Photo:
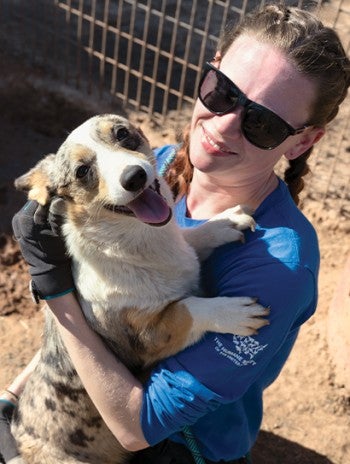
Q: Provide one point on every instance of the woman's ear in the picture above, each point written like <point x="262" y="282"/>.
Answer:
<point x="307" y="139"/>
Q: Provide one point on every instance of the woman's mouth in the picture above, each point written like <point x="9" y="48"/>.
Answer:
<point x="212" y="146"/>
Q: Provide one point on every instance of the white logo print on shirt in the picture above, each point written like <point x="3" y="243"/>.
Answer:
<point x="245" y="350"/>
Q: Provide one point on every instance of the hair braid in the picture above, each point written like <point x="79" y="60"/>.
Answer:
<point x="179" y="173"/>
<point x="293" y="175"/>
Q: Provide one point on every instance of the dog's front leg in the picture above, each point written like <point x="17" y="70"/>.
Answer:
<point x="223" y="228"/>
<point x="184" y="322"/>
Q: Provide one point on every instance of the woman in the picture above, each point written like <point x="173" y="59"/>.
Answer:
<point x="272" y="87"/>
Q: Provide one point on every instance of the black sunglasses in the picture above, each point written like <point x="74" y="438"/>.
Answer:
<point x="260" y="126"/>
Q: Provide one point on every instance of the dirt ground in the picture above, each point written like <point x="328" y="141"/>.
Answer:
<point x="307" y="413"/>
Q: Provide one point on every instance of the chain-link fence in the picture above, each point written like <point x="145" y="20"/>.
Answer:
<point x="148" y="55"/>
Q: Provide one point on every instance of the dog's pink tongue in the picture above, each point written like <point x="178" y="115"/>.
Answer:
<point x="150" y="207"/>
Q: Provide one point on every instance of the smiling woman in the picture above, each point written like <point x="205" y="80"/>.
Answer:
<point x="241" y="145"/>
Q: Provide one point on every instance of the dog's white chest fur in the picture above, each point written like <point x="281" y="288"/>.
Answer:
<point x="146" y="268"/>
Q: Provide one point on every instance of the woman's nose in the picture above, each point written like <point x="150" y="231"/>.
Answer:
<point x="229" y="124"/>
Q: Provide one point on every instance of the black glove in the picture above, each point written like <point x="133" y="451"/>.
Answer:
<point x="8" y="446"/>
<point x="37" y="230"/>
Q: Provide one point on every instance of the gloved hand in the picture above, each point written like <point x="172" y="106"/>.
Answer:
<point x="8" y="447"/>
<point x="37" y="230"/>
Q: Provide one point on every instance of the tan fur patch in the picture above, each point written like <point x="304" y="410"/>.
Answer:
<point x="80" y="153"/>
<point x="160" y="335"/>
<point x="104" y="128"/>
<point x="39" y="188"/>
<point x="103" y="188"/>
<point x="77" y="214"/>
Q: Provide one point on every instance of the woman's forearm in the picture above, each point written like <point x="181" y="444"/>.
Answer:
<point x="116" y="393"/>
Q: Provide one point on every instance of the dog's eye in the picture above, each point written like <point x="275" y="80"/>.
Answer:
<point x="82" y="171"/>
<point x="120" y="133"/>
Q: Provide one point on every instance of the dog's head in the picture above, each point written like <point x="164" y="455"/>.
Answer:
<point x="105" y="167"/>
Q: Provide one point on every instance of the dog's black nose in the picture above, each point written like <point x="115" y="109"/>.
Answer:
<point x="133" y="178"/>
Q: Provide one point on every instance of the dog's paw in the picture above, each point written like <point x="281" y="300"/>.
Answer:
<point x="225" y="227"/>
<point x="241" y="316"/>
<point x="254" y="316"/>
<point x="240" y="217"/>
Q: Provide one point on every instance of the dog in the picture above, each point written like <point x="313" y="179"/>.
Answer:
<point x="137" y="278"/>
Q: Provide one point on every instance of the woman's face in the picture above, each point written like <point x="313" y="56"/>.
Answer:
<point x="265" y="76"/>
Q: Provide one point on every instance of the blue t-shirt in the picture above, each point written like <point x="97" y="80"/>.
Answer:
<point x="216" y="385"/>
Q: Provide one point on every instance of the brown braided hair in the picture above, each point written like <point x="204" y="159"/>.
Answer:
<point x="179" y="173"/>
<point x="316" y="52"/>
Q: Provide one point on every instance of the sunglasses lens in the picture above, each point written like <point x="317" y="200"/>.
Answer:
<point x="216" y="93"/>
<point x="263" y="128"/>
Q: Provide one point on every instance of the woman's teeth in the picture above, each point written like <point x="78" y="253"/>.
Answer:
<point x="215" y="145"/>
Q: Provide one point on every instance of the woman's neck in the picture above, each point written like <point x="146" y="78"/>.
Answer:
<point x="207" y="198"/>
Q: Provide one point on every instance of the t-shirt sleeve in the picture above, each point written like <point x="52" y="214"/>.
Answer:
<point x="221" y="367"/>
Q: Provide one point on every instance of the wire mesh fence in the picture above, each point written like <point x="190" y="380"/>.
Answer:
<point x="148" y="55"/>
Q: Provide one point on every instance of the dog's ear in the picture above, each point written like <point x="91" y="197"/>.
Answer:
<point x="37" y="182"/>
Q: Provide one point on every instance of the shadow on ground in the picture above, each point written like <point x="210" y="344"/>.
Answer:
<point x="284" y="452"/>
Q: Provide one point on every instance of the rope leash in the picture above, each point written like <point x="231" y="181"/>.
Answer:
<point x="193" y="445"/>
